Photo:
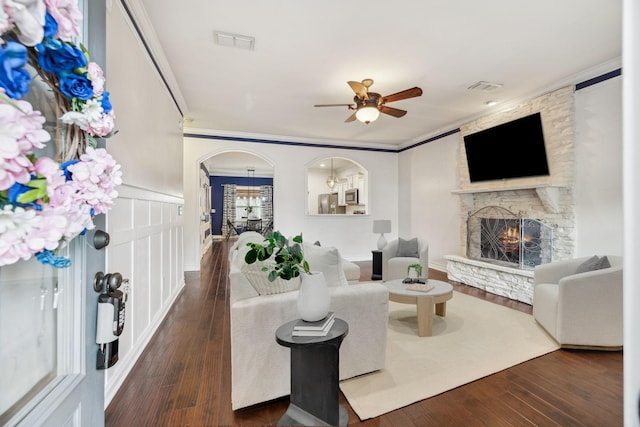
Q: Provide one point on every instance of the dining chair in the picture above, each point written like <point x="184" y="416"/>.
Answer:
<point x="254" y="224"/>
<point x="231" y="228"/>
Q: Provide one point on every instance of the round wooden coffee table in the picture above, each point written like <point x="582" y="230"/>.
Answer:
<point x="427" y="303"/>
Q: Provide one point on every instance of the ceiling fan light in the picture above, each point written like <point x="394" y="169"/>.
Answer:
<point x="367" y="114"/>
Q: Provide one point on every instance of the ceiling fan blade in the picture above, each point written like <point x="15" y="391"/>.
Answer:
<point x="359" y="89"/>
<point x="395" y="112"/>
<point x="335" y="105"/>
<point x="351" y="118"/>
<point x="409" y="93"/>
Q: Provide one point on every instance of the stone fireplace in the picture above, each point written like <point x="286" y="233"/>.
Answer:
<point x="539" y="209"/>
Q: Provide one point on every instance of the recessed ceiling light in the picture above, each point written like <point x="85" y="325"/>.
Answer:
<point x="234" y="40"/>
<point x="490" y="103"/>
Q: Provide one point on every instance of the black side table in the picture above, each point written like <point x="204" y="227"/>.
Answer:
<point x="376" y="271"/>
<point x="314" y="377"/>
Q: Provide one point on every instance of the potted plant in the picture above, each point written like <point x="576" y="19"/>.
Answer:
<point x="417" y="268"/>
<point x="289" y="262"/>
<point x="289" y="259"/>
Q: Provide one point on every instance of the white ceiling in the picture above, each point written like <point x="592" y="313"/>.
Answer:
<point x="306" y="51"/>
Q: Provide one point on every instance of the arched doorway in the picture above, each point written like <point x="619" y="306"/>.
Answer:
<point x="248" y="181"/>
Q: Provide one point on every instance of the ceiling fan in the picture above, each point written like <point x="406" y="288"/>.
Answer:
<point x="368" y="105"/>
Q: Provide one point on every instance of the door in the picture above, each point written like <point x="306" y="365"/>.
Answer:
<point x="76" y="396"/>
<point x="60" y="308"/>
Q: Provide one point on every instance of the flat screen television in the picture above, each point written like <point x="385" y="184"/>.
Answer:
<point x="511" y="150"/>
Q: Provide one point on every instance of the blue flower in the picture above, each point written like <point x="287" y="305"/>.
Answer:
<point x="17" y="190"/>
<point x="47" y="257"/>
<point x="106" y="103"/>
<point x="75" y="86"/>
<point x="50" y="26"/>
<point x="13" y="78"/>
<point x="65" y="168"/>
<point x="56" y="57"/>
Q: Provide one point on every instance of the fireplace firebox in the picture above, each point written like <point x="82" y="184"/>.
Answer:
<point x="497" y="235"/>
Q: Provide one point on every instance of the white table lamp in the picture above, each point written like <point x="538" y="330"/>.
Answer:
<point x="382" y="226"/>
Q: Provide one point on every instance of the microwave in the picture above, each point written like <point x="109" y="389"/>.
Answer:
<point x="351" y="196"/>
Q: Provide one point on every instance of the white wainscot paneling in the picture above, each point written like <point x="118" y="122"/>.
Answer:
<point x="140" y="288"/>
<point x="146" y="247"/>
<point x="155" y="276"/>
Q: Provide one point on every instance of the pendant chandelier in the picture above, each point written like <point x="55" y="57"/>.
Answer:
<point x="332" y="180"/>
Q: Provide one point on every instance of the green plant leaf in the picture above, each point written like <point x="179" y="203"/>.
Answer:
<point x="298" y="238"/>
<point x="251" y="256"/>
<point x="273" y="275"/>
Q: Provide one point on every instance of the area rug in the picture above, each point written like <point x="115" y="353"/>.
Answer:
<point x="475" y="339"/>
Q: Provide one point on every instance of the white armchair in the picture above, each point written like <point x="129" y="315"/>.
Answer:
<point x="581" y="310"/>
<point x="394" y="264"/>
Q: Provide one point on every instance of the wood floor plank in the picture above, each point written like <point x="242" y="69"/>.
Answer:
<point x="184" y="376"/>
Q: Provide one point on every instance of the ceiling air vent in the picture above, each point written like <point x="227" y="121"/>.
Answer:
<point x="485" y="86"/>
<point x="234" y="40"/>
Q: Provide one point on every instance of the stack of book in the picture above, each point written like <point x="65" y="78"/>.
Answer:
<point x="314" y="329"/>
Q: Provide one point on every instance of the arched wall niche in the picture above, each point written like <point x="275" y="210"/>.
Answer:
<point x="349" y="193"/>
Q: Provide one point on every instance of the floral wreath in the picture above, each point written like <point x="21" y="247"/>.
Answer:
<point x="45" y="202"/>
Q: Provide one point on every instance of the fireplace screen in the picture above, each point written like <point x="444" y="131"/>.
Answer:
<point x="497" y="235"/>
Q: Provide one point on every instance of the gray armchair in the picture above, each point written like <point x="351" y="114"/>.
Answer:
<point x="394" y="264"/>
<point x="580" y="310"/>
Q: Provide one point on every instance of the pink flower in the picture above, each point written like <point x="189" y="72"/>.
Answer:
<point x="21" y="129"/>
<point x="102" y="126"/>
<point x="14" y="170"/>
<point x="95" y="176"/>
<point x="97" y="78"/>
<point x="16" y="224"/>
<point x="67" y="15"/>
<point x="6" y="23"/>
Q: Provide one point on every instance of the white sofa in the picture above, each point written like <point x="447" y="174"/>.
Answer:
<point x="260" y="368"/>
<point x="580" y="309"/>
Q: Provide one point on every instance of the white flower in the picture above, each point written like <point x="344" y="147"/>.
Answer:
<point x="92" y="110"/>
<point x="28" y="15"/>
<point x="75" y="118"/>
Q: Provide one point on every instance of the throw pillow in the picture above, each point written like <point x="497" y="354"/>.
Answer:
<point x="408" y="248"/>
<point x="593" y="263"/>
<point x="603" y="262"/>
<point x="328" y="261"/>
<point x="260" y="279"/>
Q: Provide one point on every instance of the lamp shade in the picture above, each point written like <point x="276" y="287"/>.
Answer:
<point x="381" y="226"/>
<point x="367" y="114"/>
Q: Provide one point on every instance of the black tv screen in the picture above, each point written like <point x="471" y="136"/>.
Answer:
<point x="510" y="150"/>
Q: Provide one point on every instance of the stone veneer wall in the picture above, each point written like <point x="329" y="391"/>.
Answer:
<point x="548" y="199"/>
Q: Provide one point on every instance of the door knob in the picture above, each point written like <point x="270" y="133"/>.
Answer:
<point x="98" y="239"/>
<point x="109" y="282"/>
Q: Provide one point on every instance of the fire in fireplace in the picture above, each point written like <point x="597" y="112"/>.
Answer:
<point x="495" y="234"/>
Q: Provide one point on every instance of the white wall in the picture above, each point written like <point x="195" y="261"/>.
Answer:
<point x="631" y="107"/>
<point x="598" y="153"/>
<point x="427" y="208"/>
<point x="145" y="225"/>
<point x="352" y="234"/>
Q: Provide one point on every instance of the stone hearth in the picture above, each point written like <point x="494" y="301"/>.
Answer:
<point x="500" y="280"/>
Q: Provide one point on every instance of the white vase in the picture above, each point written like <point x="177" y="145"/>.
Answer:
<point x="313" y="298"/>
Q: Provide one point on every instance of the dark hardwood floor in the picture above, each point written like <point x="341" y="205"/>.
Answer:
<point x="183" y="378"/>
